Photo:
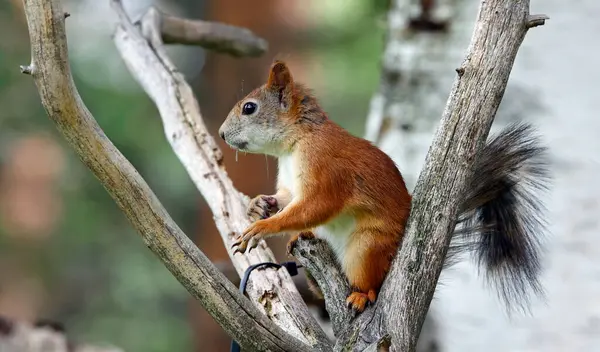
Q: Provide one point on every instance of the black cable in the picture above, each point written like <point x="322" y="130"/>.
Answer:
<point x="292" y="268"/>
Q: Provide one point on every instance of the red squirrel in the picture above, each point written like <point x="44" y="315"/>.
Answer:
<point x="342" y="188"/>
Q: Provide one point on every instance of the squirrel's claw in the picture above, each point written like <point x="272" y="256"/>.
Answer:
<point x="240" y="245"/>
<point x="252" y="243"/>
<point x="290" y="247"/>
<point x="358" y="301"/>
<point x="251" y="236"/>
<point x="246" y="241"/>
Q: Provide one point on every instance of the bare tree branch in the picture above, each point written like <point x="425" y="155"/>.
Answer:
<point x="421" y="39"/>
<point x="219" y="37"/>
<point x="318" y="258"/>
<point x="272" y="290"/>
<point x="52" y="75"/>
<point x="499" y="31"/>
<point x="379" y="346"/>
<point x="300" y="282"/>
<point x="223" y="38"/>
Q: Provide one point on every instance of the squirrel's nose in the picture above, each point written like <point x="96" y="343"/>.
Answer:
<point x="221" y="134"/>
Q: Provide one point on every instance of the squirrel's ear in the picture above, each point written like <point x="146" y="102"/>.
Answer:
<point x="280" y="80"/>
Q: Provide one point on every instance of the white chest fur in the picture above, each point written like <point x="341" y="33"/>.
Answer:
<point x="337" y="233"/>
<point x="288" y="173"/>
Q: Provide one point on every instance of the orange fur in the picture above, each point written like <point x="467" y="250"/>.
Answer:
<point x="335" y="175"/>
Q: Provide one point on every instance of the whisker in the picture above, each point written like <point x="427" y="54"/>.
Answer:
<point x="267" y="164"/>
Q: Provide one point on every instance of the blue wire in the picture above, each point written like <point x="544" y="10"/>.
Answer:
<point x="292" y="268"/>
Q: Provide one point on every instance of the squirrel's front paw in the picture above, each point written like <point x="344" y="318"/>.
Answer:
<point x="254" y="233"/>
<point x="262" y="207"/>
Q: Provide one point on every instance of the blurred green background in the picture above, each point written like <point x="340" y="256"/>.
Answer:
<point x="66" y="251"/>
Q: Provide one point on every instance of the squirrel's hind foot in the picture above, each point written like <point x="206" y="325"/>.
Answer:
<point x="359" y="300"/>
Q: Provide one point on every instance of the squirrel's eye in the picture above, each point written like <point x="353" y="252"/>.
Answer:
<point x="248" y="109"/>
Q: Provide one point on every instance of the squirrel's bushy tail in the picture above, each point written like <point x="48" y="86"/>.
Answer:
<point x="501" y="218"/>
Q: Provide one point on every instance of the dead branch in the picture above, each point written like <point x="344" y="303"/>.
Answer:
<point x="52" y="75"/>
<point x="318" y="258"/>
<point x="219" y="37"/>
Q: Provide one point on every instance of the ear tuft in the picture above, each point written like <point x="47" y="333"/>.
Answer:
<point x="280" y="78"/>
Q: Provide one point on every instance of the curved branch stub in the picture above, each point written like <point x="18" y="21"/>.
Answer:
<point x="27" y="69"/>
<point x="536" y="20"/>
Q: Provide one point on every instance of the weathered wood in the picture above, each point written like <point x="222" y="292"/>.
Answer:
<point x="536" y="20"/>
<point x="271" y="290"/>
<point x="219" y="37"/>
<point x="318" y="258"/>
<point x="52" y="75"/>
<point x="476" y="94"/>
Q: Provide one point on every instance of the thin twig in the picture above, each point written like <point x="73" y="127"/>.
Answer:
<point x="214" y="36"/>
